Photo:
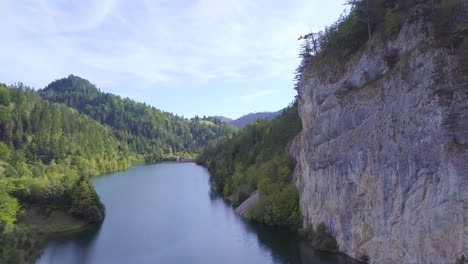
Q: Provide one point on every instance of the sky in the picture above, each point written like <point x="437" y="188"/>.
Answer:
<point x="189" y="57"/>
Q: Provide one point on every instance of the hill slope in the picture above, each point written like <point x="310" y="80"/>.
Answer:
<point x="148" y="131"/>
<point x="243" y="121"/>
<point x="256" y="158"/>
<point x="247" y="119"/>
<point x="223" y="119"/>
<point x="47" y="153"/>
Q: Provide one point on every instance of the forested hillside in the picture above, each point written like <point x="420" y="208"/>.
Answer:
<point x="256" y="159"/>
<point x="148" y="131"/>
<point x="245" y="120"/>
<point x="47" y="153"/>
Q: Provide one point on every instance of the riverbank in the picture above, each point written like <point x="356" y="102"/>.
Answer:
<point x="41" y="224"/>
<point x="317" y="238"/>
<point x="168" y="231"/>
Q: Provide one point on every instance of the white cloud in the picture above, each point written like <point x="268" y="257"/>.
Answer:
<point x="118" y="43"/>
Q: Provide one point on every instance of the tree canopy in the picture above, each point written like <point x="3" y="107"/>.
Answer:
<point x="53" y="141"/>
<point x="148" y="131"/>
<point x="256" y="159"/>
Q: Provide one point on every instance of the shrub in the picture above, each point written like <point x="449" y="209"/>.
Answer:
<point x="277" y="208"/>
<point x="86" y="204"/>
<point x="392" y="22"/>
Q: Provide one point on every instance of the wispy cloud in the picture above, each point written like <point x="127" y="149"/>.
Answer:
<point x="156" y="40"/>
<point x="157" y="43"/>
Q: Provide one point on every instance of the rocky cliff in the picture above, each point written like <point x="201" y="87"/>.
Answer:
<point x="383" y="155"/>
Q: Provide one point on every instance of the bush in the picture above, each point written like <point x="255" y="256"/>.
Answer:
<point x="8" y="250"/>
<point x="86" y="204"/>
<point x="277" y="208"/>
<point x="255" y="158"/>
<point x="393" y="22"/>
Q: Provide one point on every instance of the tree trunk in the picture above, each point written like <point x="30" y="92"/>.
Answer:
<point x="368" y="20"/>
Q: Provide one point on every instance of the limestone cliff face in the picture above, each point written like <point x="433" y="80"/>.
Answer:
<point x="383" y="155"/>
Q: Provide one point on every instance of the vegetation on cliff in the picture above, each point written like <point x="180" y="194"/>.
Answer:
<point x="369" y="54"/>
<point x="256" y="158"/>
<point x="325" y="51"/>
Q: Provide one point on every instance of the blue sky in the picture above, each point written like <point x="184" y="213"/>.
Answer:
<point x="189" y="57"/>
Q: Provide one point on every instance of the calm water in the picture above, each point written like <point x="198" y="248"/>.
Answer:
<point x="166" y="213"/>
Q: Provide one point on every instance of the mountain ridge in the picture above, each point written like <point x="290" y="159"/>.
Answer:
<point x="150" y="131"/>
<point x="249" y="118"/>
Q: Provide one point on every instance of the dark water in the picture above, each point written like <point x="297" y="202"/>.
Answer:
<point x="166" y="213"/>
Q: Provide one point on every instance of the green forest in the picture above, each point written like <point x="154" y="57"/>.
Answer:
<point x="50" y="150"/>
<point x="151" y="134"/>
<point x="256" y="159"/>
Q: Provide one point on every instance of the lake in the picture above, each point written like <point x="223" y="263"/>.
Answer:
<point x="166" y="213"/>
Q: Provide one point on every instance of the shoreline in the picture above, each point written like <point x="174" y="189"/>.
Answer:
<point x="44" y="224"/>
<point x="242" y="208"/>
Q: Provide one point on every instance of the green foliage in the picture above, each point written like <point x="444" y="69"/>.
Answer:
<point x="4" y="152"/>
<point x="278" y="206"/>
<point x="12" y="241"/>
<point x="328" y="49"/>
<point x="324" y="52"/>
<point x="321" y="239"/>
<point x="150" y="133"/>
<point x="86" y="204"/>
<point x="48" y="151"/>
<point x="9" y="208"/>
<point x="4" y="96"/>
<point x="254" y="159"/>
<point x="392" y="22"/>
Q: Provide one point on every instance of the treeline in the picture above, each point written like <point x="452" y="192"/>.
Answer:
<point x="256" y="159"/>
<point x="149" y="132"/>
<point x="325" y="51"/>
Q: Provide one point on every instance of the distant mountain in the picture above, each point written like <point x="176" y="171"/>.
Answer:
<point x="223" y="119"/>
<point x="243" y="121"/>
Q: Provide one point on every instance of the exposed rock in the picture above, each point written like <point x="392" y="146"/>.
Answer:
<point x="243" y="208"/>
<point x="383" y="155"/>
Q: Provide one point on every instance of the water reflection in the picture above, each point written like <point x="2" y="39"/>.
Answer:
<point x="285" y="245"/>
<point x="166" y="213"/>
<point x="79" y="244"/>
